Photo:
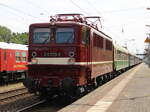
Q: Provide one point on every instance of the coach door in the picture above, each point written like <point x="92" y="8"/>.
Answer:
<point x="4" y="60"/>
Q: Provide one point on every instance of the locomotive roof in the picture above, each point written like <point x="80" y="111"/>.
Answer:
<point x="70" y="23"/>
<point x="4" y="45"/>
<point x="56" y="23"/>
<point x="74" y="19"/>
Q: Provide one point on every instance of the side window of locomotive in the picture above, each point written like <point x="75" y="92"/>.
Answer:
<point x="24" y="55"/>
<point x="85" y="35"/>
<point x="108" y="45"/>
<point x="41" y="36"/>
<point x="64" y="35"/>
<point x="98" y="41"/>
<point x="18" y="57"/>
<point x="94" y="40"/>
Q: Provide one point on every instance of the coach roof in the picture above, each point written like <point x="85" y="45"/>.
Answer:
<point x="4" y="45"/>
<point x="120" y="48"/>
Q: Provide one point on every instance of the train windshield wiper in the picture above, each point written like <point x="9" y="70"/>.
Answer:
<point x="46" y="40"/>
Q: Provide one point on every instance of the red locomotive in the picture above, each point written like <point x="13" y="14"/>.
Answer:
<point x="69" y="55"/>
<point x="13" y="62"/>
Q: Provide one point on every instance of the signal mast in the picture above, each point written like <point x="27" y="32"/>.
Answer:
<point x="147" y="57"/>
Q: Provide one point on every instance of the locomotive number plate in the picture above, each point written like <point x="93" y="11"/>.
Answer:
<point x="51" y="54"/>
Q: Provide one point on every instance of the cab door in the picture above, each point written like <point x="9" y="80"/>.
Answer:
<point x="88" y="47"/>
<point x="86" y="44"/>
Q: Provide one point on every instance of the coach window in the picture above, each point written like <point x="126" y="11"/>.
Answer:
<point x="41" y="36"/>
<point x="18" y="57"/>
<point x="24" y="55"/>
<point x="64" y="35"/>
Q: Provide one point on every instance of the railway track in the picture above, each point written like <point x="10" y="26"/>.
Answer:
<point x="18" y="101"/>
<point x="52" y="105"/>
<point x="31" y="106"/>
<point x="13" y="95"/>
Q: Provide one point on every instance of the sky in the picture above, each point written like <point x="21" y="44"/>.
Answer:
<point x="123" y="20"/>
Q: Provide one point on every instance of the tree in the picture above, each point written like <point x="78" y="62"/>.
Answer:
<point x="20" y="38"/>
<point x="5" y="34"/>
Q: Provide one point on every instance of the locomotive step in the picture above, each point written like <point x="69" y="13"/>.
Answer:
<point x="127" y="93"/>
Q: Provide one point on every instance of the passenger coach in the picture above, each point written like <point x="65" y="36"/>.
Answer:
<point x="13" y="62"/>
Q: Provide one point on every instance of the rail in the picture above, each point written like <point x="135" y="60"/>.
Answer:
<point x="12" y="95"/>
<point x="31" y="106"/>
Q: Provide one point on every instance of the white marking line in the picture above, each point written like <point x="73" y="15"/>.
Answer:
<point x="103" y="104"/>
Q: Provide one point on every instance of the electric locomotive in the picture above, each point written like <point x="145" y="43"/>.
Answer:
<point x="68" y="55"/>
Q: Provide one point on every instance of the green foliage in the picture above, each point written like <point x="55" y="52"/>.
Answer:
<point x="7" y="36"/>
<point x="19" y="38"/>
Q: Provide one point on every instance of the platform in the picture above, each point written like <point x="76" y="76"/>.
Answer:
<point x="130" y="92"/>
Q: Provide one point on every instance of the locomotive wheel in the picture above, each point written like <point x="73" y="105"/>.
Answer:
<point x="104" y="79"/>
<point x="43" y="93"/>
<point x="99" y="81"/>
<point x="111" y="76"/>
<point x="82" y="90"/>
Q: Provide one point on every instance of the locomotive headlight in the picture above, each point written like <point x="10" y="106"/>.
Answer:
<point x="71" y="61"/>
<point x="71" y="54"/>
<point x="34" y="61"/>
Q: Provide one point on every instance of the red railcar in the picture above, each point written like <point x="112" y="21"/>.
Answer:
<point x="13" y="61"/>
<point x="67" y="54"/>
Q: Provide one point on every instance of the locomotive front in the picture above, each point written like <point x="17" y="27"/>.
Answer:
<point x="55" y="58"/>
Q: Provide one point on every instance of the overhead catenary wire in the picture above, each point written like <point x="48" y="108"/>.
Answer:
<point x="14" y="13"/>
<point x="88" y="13"/>
<point x="124" y="10"/>
<point x="20" y="19"/>
<point x="19" y="11"/>
<point x="79" y="7"/>
<point x="91" y="4"/>
<point x="36" y="6"/>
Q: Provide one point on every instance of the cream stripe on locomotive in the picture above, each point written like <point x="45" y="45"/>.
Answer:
<point x="63" y="61"/>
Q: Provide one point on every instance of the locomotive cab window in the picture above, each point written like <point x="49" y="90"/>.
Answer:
<point x="64" y="35"/>
<point x="24" y="55"/>
<point x="41" y="36"/>
<point x="18" y="57"/>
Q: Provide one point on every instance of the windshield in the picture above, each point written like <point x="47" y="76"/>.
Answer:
<point x="41" y="36"/>
<point x="64" y="35"/>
